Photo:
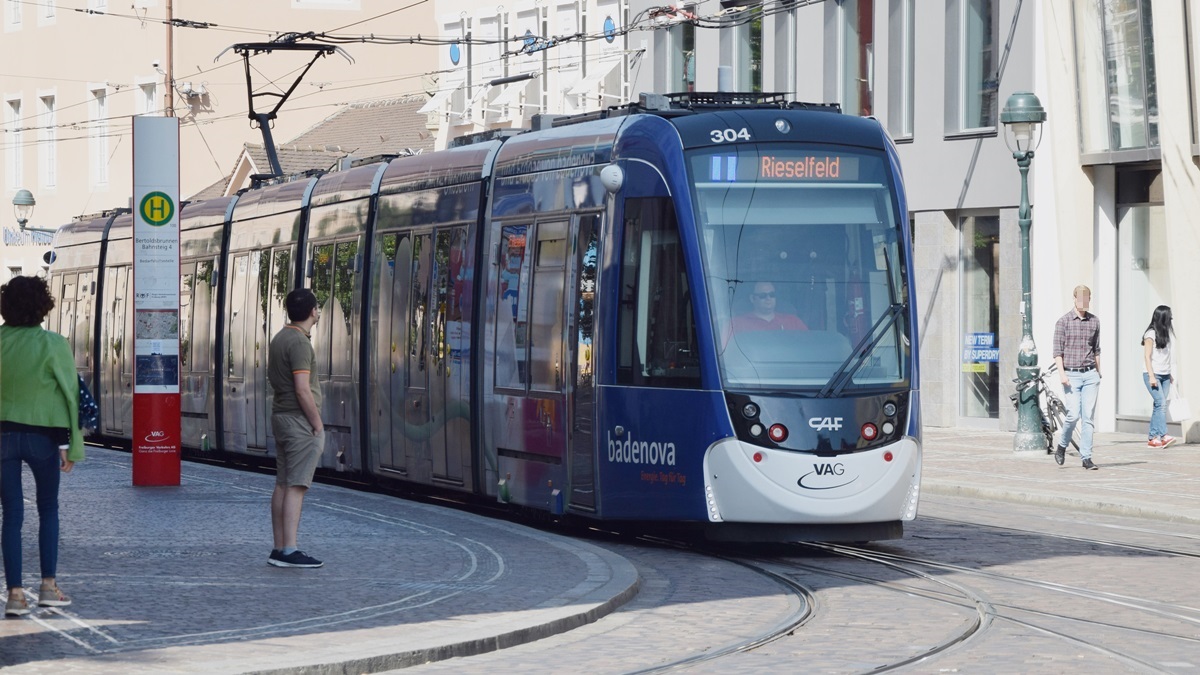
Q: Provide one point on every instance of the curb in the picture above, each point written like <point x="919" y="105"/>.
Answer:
<point x="1056" y="501"/>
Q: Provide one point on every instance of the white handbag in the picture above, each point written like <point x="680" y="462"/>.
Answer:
<point x="1178" y="408"/>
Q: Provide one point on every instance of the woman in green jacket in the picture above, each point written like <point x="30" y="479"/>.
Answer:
<point x="39" y="425"/>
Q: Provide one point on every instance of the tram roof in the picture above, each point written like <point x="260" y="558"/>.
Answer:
<point x="207" y="213"/>
<point x="340" y="186"/>
<point x="464" y="164"/>
<point x="278" y="198"/>
<point x="87" y="230"/>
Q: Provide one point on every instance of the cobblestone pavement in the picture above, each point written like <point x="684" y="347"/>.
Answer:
<point x="175" y="579"/>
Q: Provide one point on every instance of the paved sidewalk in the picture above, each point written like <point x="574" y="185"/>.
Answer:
<point x="1133" y="480"/>
<point x="176" y="580"/>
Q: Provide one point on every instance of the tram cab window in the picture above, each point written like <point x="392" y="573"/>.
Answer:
<point x="816" y="229"/>
<point x="656" y="332"/>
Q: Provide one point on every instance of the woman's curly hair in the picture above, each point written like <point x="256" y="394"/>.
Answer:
<point x="25" y="301"/>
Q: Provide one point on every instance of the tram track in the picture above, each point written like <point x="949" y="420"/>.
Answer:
<point x="786" y="626"/>
<point x="1008" y="612"/>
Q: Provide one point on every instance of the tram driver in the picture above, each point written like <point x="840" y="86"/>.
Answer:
<point x="762" y="315"/>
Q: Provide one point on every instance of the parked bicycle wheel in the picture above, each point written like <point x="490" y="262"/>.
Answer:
<point x="1056" y="411"/>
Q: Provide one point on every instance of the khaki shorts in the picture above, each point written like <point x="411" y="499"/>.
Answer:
<point x="297" y="450"/>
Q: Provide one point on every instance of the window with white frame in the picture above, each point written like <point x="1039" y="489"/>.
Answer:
<point x="858" y="56"/>
<point x="682" y="52"/>
<point x="747" y="47"/>
<point x="48" y="9"/>
<point x="47" y="142"/>
<point x="99" y="136"/>
<point x="1118" y="91"/>
<point x="566" y="59"/>
<point x="14" y="12"/>
<point x="976" y="32"/>
<point x="14" y="168"/>
<point x="148" y="98"/>
<point x="901" y="67"/>
<point x="98" y="4"/>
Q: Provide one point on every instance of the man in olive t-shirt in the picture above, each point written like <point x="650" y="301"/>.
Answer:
<point x="296" y="423"/>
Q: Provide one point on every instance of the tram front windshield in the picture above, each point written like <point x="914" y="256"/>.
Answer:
<point x="803" y="267"/>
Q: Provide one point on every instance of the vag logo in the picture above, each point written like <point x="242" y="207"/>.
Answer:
<point x="829" y="469"/>
<point x="811" y="480"/>
<point x="826" y="423"/>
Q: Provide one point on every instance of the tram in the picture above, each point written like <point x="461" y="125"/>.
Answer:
<point x="695" y="310"/>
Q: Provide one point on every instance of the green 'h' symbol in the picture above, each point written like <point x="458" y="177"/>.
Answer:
<point x="157" y="208"/>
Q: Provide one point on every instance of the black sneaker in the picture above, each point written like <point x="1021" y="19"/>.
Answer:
<point x="1060" y="454"/>
<point x="276" y="555"/>
<point x="295" y="559"/>
<point x="1087" y="464"/>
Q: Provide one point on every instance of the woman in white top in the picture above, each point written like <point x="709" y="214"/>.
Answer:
<point x="1156" y="343"/>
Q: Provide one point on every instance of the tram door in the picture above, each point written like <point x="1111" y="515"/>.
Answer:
<point x="114" y="364"/>
<point x="236" y="404"/>
<point x="581" y="332"/>
<point x="449" y="387"/>
<point x="415" y="417"/>
<point x="257" y="340"/>
<point x="273" y="286"/>
<point x="383" y="357"/>
<point x="396" y="254"/>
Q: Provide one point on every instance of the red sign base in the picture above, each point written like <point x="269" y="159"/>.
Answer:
<point x="156" y="440"/>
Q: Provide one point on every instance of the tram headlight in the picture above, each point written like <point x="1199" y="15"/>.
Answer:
<point x="889" y="409"/>
<point x="783" y="126"/>
<point x="756" y="430"/>
<point x="750" y="411"/>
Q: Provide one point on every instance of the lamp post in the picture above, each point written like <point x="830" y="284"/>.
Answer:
<point x="1022" y="118"/>
<point x="23" y="203"/>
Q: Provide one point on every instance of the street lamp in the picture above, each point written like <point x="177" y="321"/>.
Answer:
<point x="23" y="203"/>
<point x="1022" y="118"/>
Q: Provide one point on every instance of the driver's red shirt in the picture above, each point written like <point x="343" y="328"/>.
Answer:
<point x="748" y="323"/>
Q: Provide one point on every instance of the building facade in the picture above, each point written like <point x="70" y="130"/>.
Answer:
<point x="1113" y="185"/>
<point x="76" y="78"/>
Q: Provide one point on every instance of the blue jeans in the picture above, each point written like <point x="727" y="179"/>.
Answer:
<point x="1158" y="418"/>
<point x="41" y="454"/>
<point x="1081" y="392"/>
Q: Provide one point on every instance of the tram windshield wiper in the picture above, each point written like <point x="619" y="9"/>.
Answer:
<point x="841" y="377"/>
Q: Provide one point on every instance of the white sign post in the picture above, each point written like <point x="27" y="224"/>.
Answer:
<point x="156" y="418"/>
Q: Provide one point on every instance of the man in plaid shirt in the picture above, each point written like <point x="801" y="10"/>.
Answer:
<point x="1077" y="354"/>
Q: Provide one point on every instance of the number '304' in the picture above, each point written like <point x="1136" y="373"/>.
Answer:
<point x="729" y="135"/>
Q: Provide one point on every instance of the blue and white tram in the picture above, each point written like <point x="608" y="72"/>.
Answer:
<point x="694" y="314"/>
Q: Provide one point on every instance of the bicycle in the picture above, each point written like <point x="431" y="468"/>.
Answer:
<point x="1050" y="407"/>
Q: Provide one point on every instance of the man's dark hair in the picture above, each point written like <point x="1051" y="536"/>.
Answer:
<point x="300" y="304"/>
<point x="25" y="301"/>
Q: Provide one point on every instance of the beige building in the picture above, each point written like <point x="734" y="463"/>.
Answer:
<point x="76" y="78"/>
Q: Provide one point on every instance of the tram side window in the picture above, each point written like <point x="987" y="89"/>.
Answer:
<point x="322" y="287"/>
<point x="203" y="291"/>
<point x="342" y="316"/>
<point x="546" y="308"/>
<point x="512" y="309"/>
<point x="656" y="330"/>
<point x="187" y="280"/>
<point x="83" y="321"/>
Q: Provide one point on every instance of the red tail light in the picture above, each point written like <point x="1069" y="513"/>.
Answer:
<point x="778" y="433"/>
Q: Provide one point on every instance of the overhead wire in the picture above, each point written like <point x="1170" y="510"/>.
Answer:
<point x="645" y="20"/>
